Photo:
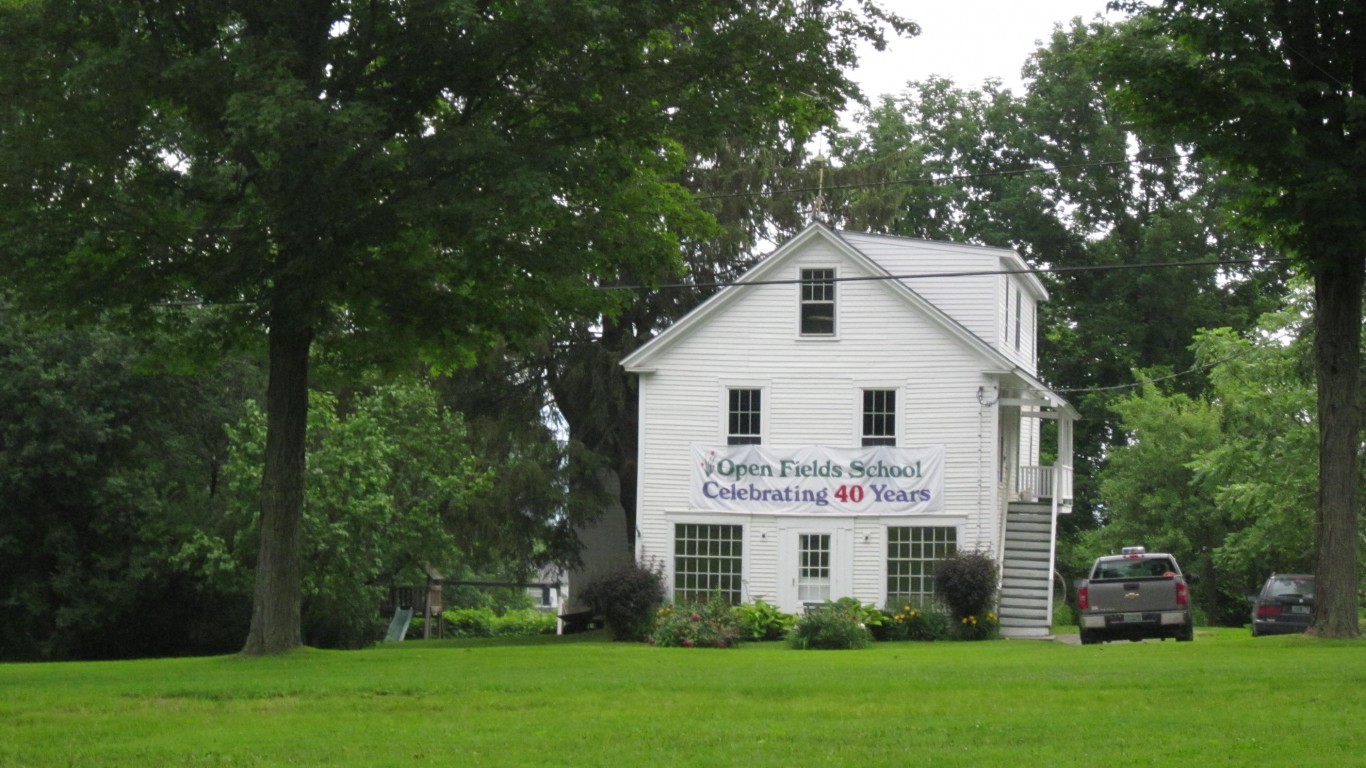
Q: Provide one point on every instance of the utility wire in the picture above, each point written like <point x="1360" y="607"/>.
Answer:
<point x="1178" y="374"/>
<point x="982" y="273"/>
<point x="936" y="179"/>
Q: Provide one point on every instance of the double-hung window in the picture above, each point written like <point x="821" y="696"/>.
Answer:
<point x="879" y="417"/>
<point x="744" y="418"/>
<point x="818" y="302"/>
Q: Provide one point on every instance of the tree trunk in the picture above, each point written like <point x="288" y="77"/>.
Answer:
<point x="1337" y="350"/>
<point x="275" y="615"/>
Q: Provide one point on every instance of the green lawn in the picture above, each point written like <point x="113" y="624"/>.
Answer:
<point x="1225" y="699"/>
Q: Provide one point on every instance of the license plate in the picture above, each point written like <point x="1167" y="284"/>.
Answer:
<point x="1299" y="609"/>
<point x="1131" y="618"/>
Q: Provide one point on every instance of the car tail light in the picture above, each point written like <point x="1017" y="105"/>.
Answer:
<point x="1182" y="596"/>
<point x="1083" y="599"/>
<point x="1268" y="611"/>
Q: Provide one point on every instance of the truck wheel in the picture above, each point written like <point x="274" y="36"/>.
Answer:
<point x="1187" y="635"/>
<point x="1089" y="638"/>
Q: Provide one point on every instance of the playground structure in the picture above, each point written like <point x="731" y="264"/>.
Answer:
<point x="404" y="603"/>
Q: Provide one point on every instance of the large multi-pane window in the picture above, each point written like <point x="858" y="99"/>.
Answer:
<point x="879" y="417"/>
<point x="707" y="559"/>
<point x="818" y="302"/>
<point x="912" y="552"/>
<point x="744" y="423"/>
<point x="813" y="576"/>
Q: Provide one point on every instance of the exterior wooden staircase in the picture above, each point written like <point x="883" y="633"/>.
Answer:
<point x="1027" y="571"/>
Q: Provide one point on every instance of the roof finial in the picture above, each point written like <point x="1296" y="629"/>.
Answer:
<point x="818" y="205"/>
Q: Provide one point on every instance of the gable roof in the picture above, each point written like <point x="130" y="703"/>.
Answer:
<point x="643" y="358"/>
<point x="1007" y="260"/>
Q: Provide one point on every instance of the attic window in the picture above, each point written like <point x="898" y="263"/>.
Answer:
<point x="818" y="302"/>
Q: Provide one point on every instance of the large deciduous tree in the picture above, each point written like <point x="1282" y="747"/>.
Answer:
<point x="1273" y="90"/>
<point x="382" y="177"/>
<point x="1058" y="173"/>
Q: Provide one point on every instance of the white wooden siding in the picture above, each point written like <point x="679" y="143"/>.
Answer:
<point x="810" y="391"/>
<point x="978" y="303"/>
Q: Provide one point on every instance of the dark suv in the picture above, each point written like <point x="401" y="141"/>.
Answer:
<point x="1285" y="605"/>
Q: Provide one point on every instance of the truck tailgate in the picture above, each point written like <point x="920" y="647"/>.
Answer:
<point x="1151" y="594"/>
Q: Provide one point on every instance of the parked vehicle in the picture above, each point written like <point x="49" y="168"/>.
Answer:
<point x="1132" y="596"/>
<point x="1285" y="605"/>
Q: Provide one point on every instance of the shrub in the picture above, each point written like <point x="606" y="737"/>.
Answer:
<point x="524" y="622"/>
<point x="712" y="624"/>
<point x="983" y="627"/>
<point x="832" y="626"/>
<point x="1064" y="614"/>
<point x="469" y="622"/>
<point x="627" y="600"/>
<point x="966" y="584"/>
<point x="761" y="621"/>
<point x="915" y="624"/>
<point x="485" y="622"/>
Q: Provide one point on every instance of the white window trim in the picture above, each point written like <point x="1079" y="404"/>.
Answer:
<point x="723" y="423"/>
<point x="857" y="410"/>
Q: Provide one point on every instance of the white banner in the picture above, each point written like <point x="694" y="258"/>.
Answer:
<point x="815" y="479"/>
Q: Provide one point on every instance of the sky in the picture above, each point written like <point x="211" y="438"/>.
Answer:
<point x="967" y="41"/>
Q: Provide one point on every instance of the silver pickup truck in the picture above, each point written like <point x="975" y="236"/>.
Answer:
<point x="1132" y="596"/>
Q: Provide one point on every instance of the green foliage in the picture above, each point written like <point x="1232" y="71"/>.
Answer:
<point x="627" y="599"/>
<point x="387" y="181"/>
<point x="1064" y="614"/>
<point x="966" y="583"/>
<point x="1148" y="485"/>
<point x="1231" y="78"/>
<point x="867" y="615"/>
<point x="835" y="625"/>
<point x="985" y="626"/>
<point x="484" y="622"/>
<point x="910" y="623"/>
<point x="524" y="622"/>
<point x="710" y="624"/>
<point x="761" y="621"/>
<point x="1227" y="482"/>
<point x="388" y="475"/>
<point x="540" y="488"/>
<point x="108" y="463"/>
<point x="469" y="622"/>
<point x="1118" y="197"/>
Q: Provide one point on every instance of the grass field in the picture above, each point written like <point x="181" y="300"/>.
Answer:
<point x="1225" y="699"/>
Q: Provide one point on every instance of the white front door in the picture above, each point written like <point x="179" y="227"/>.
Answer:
<point x="816" y="564"/>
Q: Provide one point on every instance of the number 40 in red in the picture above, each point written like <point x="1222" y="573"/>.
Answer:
<point x="849" y="494"/>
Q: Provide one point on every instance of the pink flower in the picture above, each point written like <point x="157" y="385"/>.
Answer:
<point x="688" y="643"/>
<point x="695" y="617"/>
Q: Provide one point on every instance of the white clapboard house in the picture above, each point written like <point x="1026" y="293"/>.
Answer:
<point x="852" y="409"/>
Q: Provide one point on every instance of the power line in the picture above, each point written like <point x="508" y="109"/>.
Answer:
<point x="1178" y="374"/>
<point x="981" y="273"/>
<point x="936" y="179"/>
